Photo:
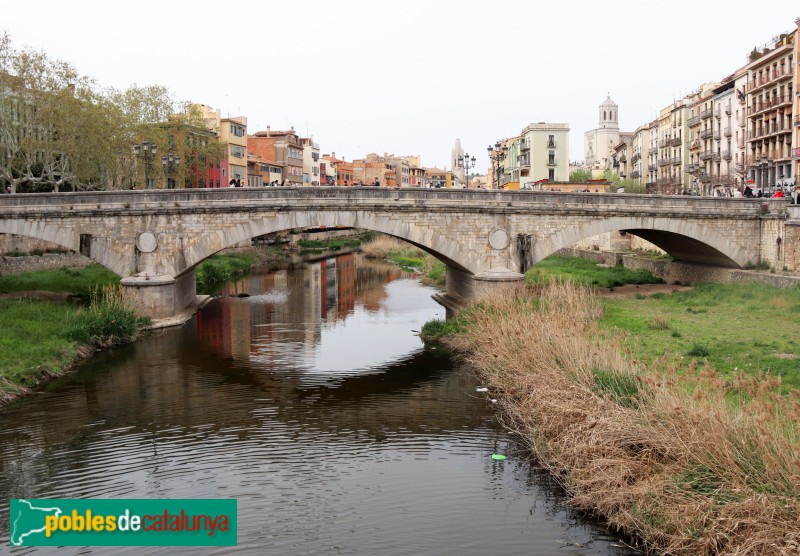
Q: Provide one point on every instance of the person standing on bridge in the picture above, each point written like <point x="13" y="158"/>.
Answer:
<point x="377" y="182"/>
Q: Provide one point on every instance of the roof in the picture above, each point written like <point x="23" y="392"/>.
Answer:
<point x="608" y="103"/>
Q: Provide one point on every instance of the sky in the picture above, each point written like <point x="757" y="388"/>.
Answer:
<point x="407" y="77"/>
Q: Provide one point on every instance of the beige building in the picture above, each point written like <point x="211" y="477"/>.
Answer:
<point x="722" y="170"/>
<point x="543" y="154"/>
<point x="639" y="146"/>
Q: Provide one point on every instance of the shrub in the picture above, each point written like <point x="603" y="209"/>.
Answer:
<point x="697" y="350"/>
<point x="108" y="320"/>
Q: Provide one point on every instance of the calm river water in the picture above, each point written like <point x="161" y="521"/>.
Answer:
<point x="313" y="403"/>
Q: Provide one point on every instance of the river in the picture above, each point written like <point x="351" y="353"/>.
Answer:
<point x="314" y="404"/>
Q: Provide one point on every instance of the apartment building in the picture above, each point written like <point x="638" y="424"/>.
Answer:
<point x="770" y="99"/>
<point x="722" y="176"/>
<point x="282" y="147"/>
<point x="701" y="180"/>
<point x="233" y="134"/>
<point x="543" y="155"/>
<point x="639" y="146"/>
<point x="311" y="169"/>
<point x="652" y="157"/>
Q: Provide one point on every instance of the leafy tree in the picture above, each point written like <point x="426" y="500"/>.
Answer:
<point x="629" y="186"/>
<point x="580" y="176"/>
<point x="61" y="132"/>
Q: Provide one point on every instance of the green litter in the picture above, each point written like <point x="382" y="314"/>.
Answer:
<point x="498" y="457"/>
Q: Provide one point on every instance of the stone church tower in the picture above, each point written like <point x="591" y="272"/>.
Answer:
<point x="599" y="143"/>
<point x="454" y="154"/>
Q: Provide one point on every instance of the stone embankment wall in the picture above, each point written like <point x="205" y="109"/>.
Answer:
<point x="10" y="243"/>
<point x="684" y="273"/>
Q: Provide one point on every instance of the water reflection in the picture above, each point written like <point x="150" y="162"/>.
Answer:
<point x="314" y="404"/>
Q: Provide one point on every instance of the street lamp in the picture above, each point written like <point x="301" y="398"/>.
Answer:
<point x="765" y="164"/>
<point x="147" y="151"/>
<point x="497" y="155"/>
<point x="466" y="163"/>
<point x="170" y="164"/>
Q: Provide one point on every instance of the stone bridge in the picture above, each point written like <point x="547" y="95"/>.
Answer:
<point x="155" y="239"/>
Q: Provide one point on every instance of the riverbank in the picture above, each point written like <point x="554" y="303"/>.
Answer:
<point x="672" y="453"/>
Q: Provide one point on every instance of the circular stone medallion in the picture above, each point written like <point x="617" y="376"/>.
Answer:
<point x="498" y="238"/>
<point x="146" y="242"/>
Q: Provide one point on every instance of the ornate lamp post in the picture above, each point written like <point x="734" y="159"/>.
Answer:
<point x="497" y="155"/>
<point x="170" y="164"/>
<point x="147" y="151"/>
<point x="466" y="163"/>
<point x="765" y="165"/>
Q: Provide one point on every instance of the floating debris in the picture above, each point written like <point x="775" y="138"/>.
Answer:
<point x="498" y="457"/>
<point x="481" y="389"/>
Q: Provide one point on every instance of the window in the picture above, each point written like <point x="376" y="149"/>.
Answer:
<point x="551" y="174"/>
<point x="237" y="130"/>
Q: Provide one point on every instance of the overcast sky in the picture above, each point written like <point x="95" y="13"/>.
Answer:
<point x="407" y="77"/>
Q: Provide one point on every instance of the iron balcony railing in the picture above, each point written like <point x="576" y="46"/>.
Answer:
<point x="705" y="114"/>
<point x="706" y="133"/>
<point x="693" y="121"/>
<point x="726" y="154"/>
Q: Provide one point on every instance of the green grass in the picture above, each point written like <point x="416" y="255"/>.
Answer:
<point x="78" y="281"/>
<point x="335" y="244"/>
<point x="218" y="269"/>
<point x="735" y="327"/>
<point x="585" y="272"/>
<point x="34" y="339"/>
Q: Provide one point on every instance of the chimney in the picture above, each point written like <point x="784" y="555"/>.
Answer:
<point x="267" y="131"/>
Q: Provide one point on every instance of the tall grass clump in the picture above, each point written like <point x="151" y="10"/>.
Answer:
<point x="77" y="281"/>
<point x="108" y="320"/>
<point x="672" y="453"/>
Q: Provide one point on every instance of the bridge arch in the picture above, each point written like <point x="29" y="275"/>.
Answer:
<point x="694" y="241"/>
<point x="104" y="250"/>
<point x="439" y="245"/>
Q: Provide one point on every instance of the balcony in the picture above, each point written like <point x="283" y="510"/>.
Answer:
<point x="664" y="143"/>
<point x="623" y="158"/>
<point x="726" y="154"/>
<point x="676" y="161"/>
<point x="676" y="142"/>
<point x="651" y="167"/>
<point x="663" y="162"/>
<point x="694" y="121"/>
<point x="636" y="174"/>
<point x="718" y="113"/>
<point x="692" y="168"/>
<point x="707" y="155"/>
<point x="706" y="114"/>
<point x="652" y="150"/>
<point x="525" y="144"/>
<point x="706" y="133"/>
<point x="673" y="180"/>
<point x="636" y="158"/>
<point x="728" y="110"/>
<point x="727" y="131"/>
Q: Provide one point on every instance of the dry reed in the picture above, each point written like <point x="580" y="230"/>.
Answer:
<point x="384" y="246"/>
<point x="678" y="457"/>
